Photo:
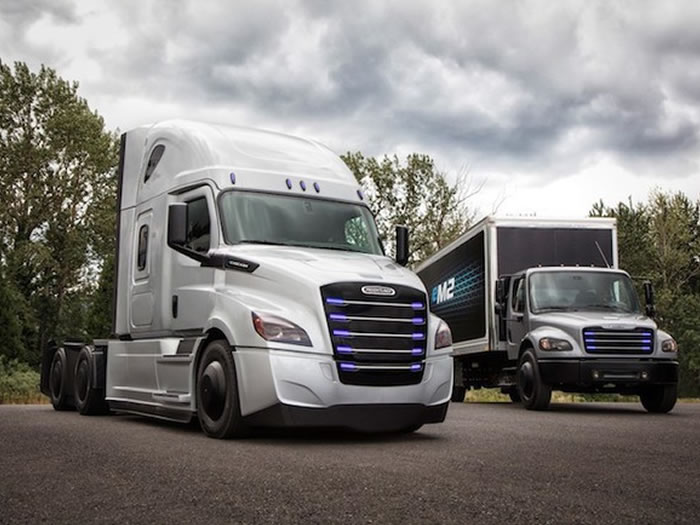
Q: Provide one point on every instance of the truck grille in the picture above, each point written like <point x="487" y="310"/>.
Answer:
<point x="598" y="340"/>
<point x="377" y="340"/>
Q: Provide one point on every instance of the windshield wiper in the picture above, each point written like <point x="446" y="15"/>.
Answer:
<point x="555" y="309"/>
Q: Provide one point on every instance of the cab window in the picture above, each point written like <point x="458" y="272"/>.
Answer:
<point x="518" y="302"/>
<point x="198" y="225"/>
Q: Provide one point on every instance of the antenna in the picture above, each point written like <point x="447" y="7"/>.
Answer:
<point x="600" y="250"/>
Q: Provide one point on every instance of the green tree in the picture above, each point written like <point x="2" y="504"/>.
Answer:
<point x="415" y="194"/>
<point x="660" y="240"/>
<point x="56" y="176"/>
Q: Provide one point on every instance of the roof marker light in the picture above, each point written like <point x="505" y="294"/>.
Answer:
<point x="233" y="178"/>
<point x="303" y="185"/>
<point x="360" y="194"/>
<point x="289" y="184"/>
<point x="317" y="187"/>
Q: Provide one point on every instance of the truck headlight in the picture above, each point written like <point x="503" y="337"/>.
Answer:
<point x="443" y="336"/>
<point x="279" y="330"/>
<point x="552" y="344"/>
<point x="669" y="345"/>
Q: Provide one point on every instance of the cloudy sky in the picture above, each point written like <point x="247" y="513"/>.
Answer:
<point x="551" y="105"/>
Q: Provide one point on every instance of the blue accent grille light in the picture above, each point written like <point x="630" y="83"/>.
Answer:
<point x="598" y="340"/>
<point x="377" y="340"/>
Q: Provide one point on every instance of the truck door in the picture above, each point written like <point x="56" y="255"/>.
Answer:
<point x="192" y="294"/>
<point x="516" y="322"/>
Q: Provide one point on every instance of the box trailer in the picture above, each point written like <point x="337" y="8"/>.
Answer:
<point x="511" y="286"/>
<point x="252" y="290"/>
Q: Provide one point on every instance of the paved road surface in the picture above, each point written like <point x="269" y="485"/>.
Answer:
<point x="489" y="463"/>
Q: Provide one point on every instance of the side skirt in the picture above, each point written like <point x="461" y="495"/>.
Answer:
<point x="159" y="412"/>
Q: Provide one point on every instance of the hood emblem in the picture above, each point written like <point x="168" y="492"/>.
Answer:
<point x="382" y="291"/>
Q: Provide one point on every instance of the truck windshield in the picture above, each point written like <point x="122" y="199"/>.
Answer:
<point x="264" y="218"/>
<point x="577" y="291"/>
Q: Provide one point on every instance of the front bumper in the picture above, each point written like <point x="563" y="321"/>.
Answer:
<point x="303" y="389"/>
<point x="363" y="418"/>
<point x="593" y="373"/>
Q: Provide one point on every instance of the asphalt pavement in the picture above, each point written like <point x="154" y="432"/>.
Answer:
<point x="488" y="463"/>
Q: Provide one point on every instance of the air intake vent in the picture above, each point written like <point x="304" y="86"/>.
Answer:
<point x="598" y="340"/>
<point x="378" y="332"/>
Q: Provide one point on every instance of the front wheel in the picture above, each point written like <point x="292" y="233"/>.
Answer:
<point x="218" y="405"/>
<point x="659" y="399"/>
<point x="534" y="394"/>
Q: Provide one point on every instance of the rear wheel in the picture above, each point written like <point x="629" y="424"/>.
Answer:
<point x="458" y="393"/>
<point x="534" y="394"/>
<point x="659" y="399"/>
<point x="58" y="381"/>
<point x="218" y="405"/>
<point x="88" y="400"/>
<point x="514" y="395"/>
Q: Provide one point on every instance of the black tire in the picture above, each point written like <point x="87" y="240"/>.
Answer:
<point x="458" y="393"/>
<point x="534" y="394"/>
<point x="88" y="400"/>
<point x="514" y="395"/>
<point x="659" y="399"/>
<point x="218" y="404"/>
<point x="58" y="381"/>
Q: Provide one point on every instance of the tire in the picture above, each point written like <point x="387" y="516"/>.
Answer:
<point x="659" y="399"/>
<point x="88" y="400"/>
<point x="58" y="379"/>
<point x="218" y="403"/>
<point x="458" y="393"/>
<point x="534" y="394"/>
<point x="514" y="395"/>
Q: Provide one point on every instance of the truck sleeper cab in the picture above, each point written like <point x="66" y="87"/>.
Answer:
<point x="252" y="290"/>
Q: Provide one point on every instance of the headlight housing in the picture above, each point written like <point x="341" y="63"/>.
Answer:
<point x="669" y="345"/>
<point x="276" y="329"/>
<point x="552" y="344"/>
<point x="443" y="336"/>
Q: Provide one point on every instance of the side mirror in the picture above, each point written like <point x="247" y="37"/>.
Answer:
<point x="177" y="224"/>
<point x="649" y="298"/>
<point x="402" y="245"/>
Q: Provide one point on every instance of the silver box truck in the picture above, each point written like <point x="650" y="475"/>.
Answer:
<point x="252" y="290"/>
<point x="538" y="304"/>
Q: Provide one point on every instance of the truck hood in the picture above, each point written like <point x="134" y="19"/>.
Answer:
<point x="580" y="320"/>
<point x="321" y="266"/>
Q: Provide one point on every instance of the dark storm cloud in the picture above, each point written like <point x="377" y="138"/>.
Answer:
<point x="536" y="85"/>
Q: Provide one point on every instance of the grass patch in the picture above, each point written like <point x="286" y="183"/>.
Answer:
<point x="19" y="383"/>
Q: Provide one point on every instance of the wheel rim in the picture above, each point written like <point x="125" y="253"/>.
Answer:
<point x="527" y="379"/>
<point x="81" y="380"/>
<point x="56" y="378"/>
<point x="212" y="390"/>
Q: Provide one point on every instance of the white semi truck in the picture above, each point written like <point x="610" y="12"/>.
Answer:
<point x="537" y="304"/>
<point x="252" y="290"/>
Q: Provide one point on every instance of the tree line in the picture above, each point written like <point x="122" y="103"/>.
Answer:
<point x="57" y="222"/>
